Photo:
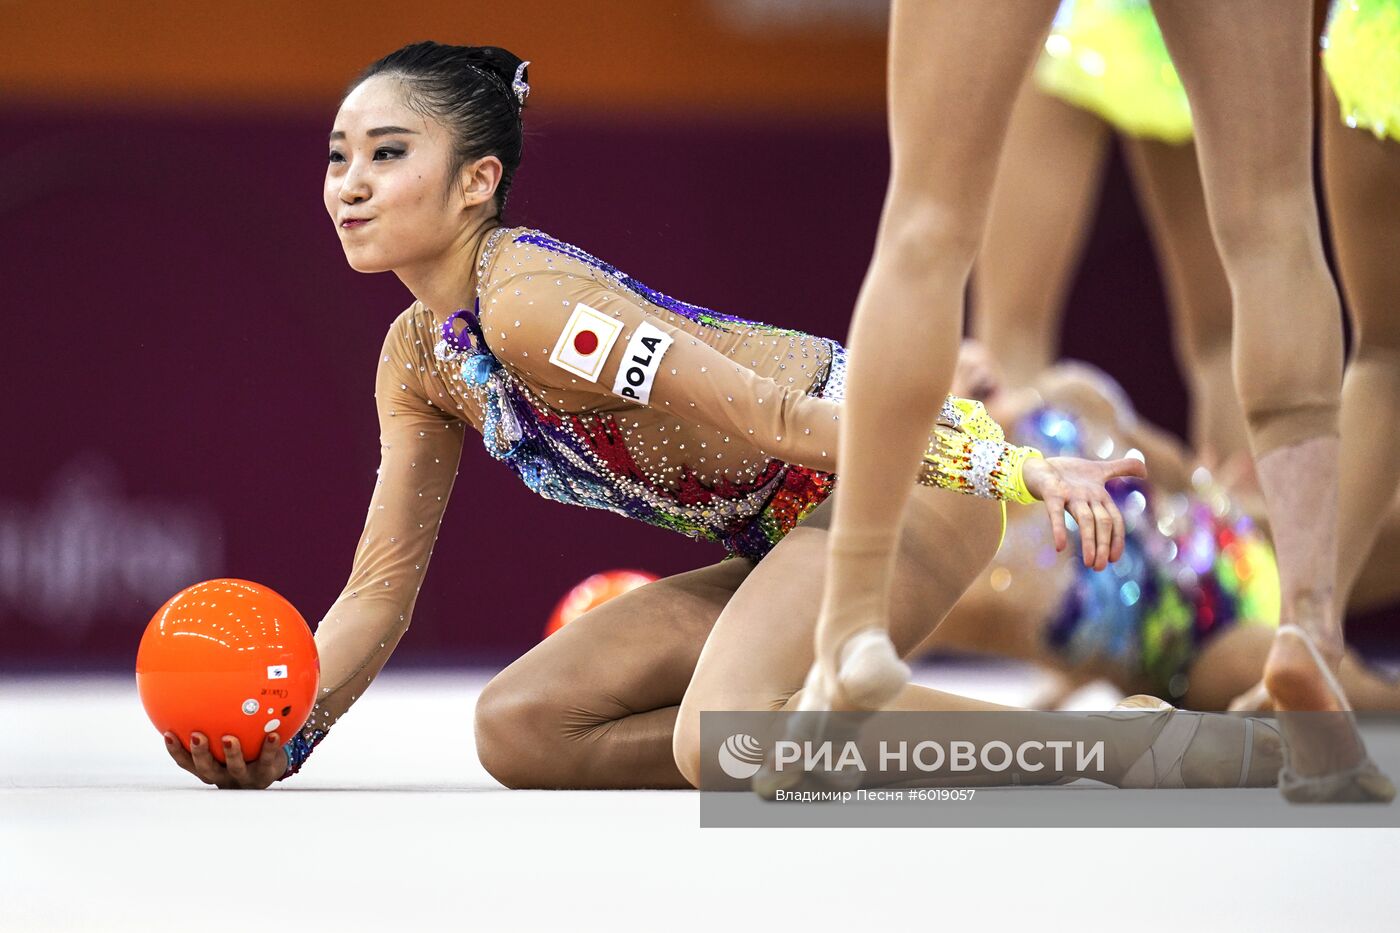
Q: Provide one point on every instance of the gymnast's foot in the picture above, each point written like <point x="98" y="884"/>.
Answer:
<point x="1254" y="700"/>
<point x="1326" y="760"/>
<point x="1203" y="749"/>
<point x="856" y="667"/>
<point x="868" y="674"/>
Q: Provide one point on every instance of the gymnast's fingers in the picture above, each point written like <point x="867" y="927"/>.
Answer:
<point x="1126" y="467"/>
<point x="1103" y="534"/>
<point x="272" y="762"/>
<point x="209" y="770"/>
<point x="1085" y="518"/>
<point x="1056" y="507"/>
<point x="233" y="758"/>
<point x="1120" y="531"/>
<point x="179" y="753"/>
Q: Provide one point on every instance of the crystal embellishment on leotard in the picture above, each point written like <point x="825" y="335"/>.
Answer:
<point x="300" y="748"/>
<point x="982" y="458"/>
<point x="949" y="413"/>
<point x="975" y="457"/>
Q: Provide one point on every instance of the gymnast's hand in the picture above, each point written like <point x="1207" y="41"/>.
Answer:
<point x="1069" y="484"/>
<point x="237" y="774"/>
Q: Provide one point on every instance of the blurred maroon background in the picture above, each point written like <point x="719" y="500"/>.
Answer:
<point x="189" y="361"/>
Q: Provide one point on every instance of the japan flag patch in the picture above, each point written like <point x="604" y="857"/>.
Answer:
<point x="583" y="347"/>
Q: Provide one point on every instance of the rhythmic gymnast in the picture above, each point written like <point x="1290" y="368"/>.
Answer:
<point x="954" y="72"/>
<point x="1361" y="185"/>
<point x="1107" y="58"/>
<point x="601" y="392"/>
<point x="1187" y="614"/>
<point x="1105" y="70"/>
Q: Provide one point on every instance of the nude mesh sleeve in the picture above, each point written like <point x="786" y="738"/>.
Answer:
<point x="706" y="385"/>
<point x="666" y="367"/>
<point x="420" y="447"/>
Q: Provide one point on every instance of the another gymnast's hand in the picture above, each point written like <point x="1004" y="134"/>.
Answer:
<point x="237" y="774"/>
<point x="1069" y="484"/>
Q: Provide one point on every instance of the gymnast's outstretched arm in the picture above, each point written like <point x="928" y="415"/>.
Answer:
<point x="420" y="447"/>
<point x="677" y="371"/>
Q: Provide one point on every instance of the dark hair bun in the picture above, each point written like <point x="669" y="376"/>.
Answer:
<point x="498" y="61"/>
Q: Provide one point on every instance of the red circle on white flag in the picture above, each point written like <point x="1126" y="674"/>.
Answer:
<point x="585" y="342"/>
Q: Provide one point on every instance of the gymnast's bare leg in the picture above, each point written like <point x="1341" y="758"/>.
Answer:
<point x="594" y="705"/>
<point x="1377" y="584"/>
<point x="613" y="699"/>
<point x="1041" y="211"/>
<point x="954" y="70"/>
<point x="1245" y="69"/>
<point x="1361" y="180"/>
<point x="1167" y="180"/>
<point x="760" y="649"/>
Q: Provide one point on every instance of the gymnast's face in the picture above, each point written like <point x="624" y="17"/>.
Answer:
<point x="389" y="169"/>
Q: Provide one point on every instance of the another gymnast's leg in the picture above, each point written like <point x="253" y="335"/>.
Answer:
<point x="1377" y="584"/>
<point x="1361" y="179"/>
<point x="1234" y="662"/>
<point x="594" y="704"/>
<point x="954" y="70"/>
<point x="1167" y="179"/>
<point x="1245" y="68"/>
<point x="1042" y="206"/>
<point x="761" y="648"/>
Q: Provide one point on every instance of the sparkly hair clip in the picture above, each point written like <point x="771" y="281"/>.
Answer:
<point x="518" y="89"/>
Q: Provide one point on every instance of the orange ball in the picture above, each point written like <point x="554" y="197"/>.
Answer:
<point x="593" y="592"/>
<point x="228" y="657"/>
